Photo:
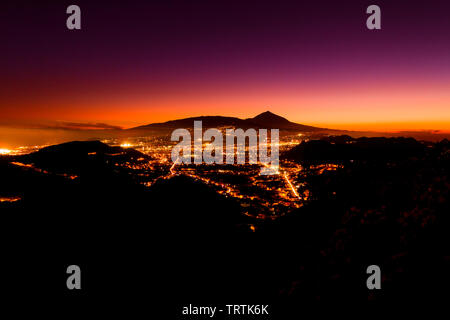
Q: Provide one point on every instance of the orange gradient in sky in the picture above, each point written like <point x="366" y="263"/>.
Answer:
<point x="364" y="106"/>
<point x="163" y="61"/>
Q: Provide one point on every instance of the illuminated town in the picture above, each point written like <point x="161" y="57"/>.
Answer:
<point x="260" y="196"/>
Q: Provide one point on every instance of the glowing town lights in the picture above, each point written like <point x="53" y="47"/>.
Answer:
<point x="10" y="199"/>
<point x="291" y="186"/>
<point x="172" y="172"/>
<point x="257" y="194"/>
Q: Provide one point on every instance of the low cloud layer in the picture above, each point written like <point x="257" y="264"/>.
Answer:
<point x="63" y="125"/>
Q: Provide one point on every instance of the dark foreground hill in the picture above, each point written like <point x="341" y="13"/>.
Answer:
<point x="340" y="148"/>
<point x="373" y="201"/>
<point x="80" y="155"/>
<point x="172" y="237"/>
<point x="180" y="242"/>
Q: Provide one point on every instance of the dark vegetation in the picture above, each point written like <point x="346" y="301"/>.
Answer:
<point x="387" y="204"/>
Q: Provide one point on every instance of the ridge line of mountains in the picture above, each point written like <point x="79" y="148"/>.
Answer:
<point x="267" y="120"/>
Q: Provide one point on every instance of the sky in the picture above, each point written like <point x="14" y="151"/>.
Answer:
<point x="139" y="62"/>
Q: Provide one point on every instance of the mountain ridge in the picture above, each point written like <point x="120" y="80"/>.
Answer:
<point x="266" y="120"/>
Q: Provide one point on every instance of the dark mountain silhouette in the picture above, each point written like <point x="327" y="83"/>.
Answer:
<point x="81" y="148"/>
<point x="270" y="120"/>
<point x="348" y="148"/>
<point x="267" y="120"/>
<point x="75" y="155"/>
<point x="269" y="117"/>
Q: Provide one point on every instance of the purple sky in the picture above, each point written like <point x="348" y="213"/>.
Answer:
<point x="314" y="62"/>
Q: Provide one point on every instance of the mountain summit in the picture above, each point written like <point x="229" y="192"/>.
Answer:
<point x="269" y="118"/>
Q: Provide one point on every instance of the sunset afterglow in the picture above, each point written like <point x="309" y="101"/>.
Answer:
<point x="182" y="63"/>
<point x="5" y="151"/>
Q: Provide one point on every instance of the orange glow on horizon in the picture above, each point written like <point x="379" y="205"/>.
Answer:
<point x="379" y="107"/>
